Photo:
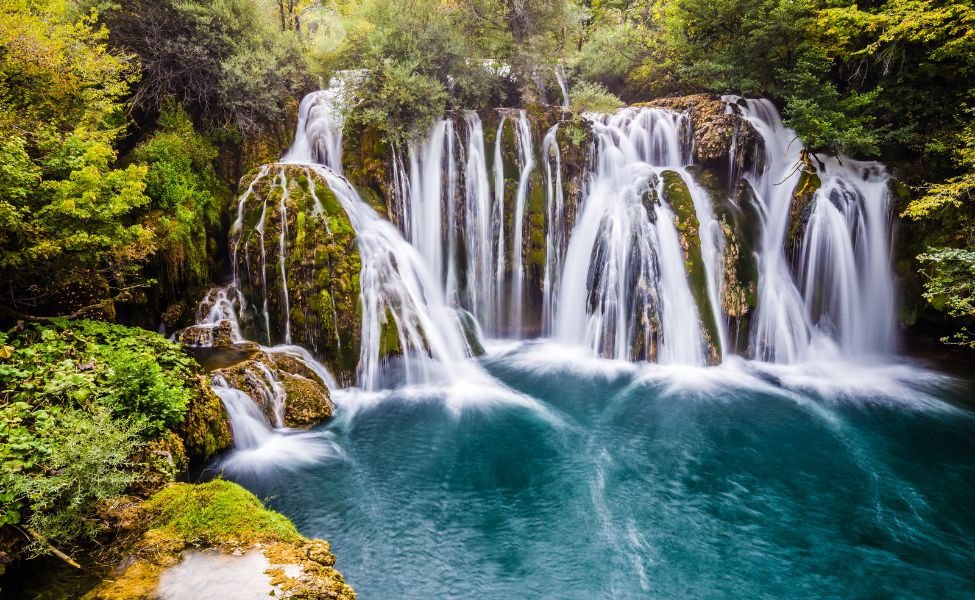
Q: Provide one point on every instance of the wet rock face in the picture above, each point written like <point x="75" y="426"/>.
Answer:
<point x="205" y="336"/>
<point x="284" y="387"/>
<point x="718" y="133"/>
<point x="298" y="267"/>
<point x="803" y="199"/>
<point x="206" y="428"/>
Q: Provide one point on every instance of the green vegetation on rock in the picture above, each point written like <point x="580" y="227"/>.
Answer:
<point x="88" y="411"/>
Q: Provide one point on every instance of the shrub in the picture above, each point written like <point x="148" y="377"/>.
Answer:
<point x="77" y="401"/>
<point x="587" y="96"/>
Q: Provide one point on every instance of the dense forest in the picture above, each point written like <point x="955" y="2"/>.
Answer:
<point x="126" y="127"/>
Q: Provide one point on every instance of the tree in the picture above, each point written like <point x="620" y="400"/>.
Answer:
<point x="225" y="61"/>
<point x="66" y="215"/>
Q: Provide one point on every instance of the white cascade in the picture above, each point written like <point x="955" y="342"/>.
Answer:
<point x="554" y="227"/>
<point x="526" y="164"/>
<point x="841" y="303"/>
<point x="624" y="290"/>
<point x="319" y="130"/>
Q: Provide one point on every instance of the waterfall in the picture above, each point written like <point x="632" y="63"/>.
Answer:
<point x="554" y="226"/>
<point x="844" y="292"/>
<point x="499" y="253"/>
<point x="845" y="272"/>
<point x="563" y="86"/>
<point x="395" y="281"/>
<point x="526" y="163"/>
<point x="478" y="226"/>
<point x="624" y="291"/>
<point x="425" y="204"/>
<point x="282" y="253"/>
<point x="249" y="425"/>
<point x="637" y="270"/>
<point x="319" y="131"/>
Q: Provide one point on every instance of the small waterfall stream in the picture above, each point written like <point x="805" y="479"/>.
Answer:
<point x="842" y="301"/>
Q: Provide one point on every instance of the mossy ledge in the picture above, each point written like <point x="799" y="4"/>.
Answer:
<point x="223" y="516"/>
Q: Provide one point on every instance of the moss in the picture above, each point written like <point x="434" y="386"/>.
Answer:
<point x="802" y="204"/>
<point x="322" y="267"/>
<point x="217" y="513"/>
<point x="220" y="514"/>
<point x="685" y="218"/>
<point x="308" y="404"/>
<point x="389" y="343"/>
<point x="205" y="429"/>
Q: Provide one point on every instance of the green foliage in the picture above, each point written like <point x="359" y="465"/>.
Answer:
<point x="588" y="96"/>
<point x="87" y="464"/>
<point x="413" y="62"/>
<point x="136" y="374"/>
<point x="226" y="61"/>
<point x="77" y="400"/>
<point x="951" y="280"/>
<point x="187" y="196"/>
<point x="955" y="192"/>
<point x="215" y="513"/>
<point x="62" y="203"/>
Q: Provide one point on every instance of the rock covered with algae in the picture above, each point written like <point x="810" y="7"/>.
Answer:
<point x="226" y="531"/>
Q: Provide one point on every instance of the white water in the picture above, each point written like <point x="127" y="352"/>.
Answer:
<point x="554" y="226"/>
<point x="526" y="163"/>
<point x="616" y="283"/>
<point x="396" y="281"/>
<point x="563" y="86"/>
<point x="843" y="301"/>
<point x="319" y="131"/>
<point x="624" y="285"/>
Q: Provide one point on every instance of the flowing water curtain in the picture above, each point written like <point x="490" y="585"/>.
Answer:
<point x="625" y="291"/>
<point x="838" y="300"/>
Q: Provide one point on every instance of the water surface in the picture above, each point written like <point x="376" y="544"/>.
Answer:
<point x="583" y="478"/>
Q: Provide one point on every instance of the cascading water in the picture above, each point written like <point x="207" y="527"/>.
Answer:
<point x="526" y="164"/>
<point x="624" y="291"/>
<point x="643" y="273"/>
<point x="672" y="467"/>
<point x="555" y="225"/>
<point x="845" y="286"/>
<point x="689" y="478"/>
<point x="478" y="225"/>
<point x="395" y="281"/>
<point x="319" y="128"/>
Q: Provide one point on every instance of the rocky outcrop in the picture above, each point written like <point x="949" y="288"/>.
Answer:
<point x="293" y="209"/>
<point x="719" y="134"/>
<point x="217" y="528"/>
<point x="283" y="386"/>
<point x="206" y="428"/>
<point x="803" y="199"/>
<point x="677" y="194"/>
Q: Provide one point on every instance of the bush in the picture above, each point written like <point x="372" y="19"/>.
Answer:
<point x="86" y="463"/>
<point x="587" y="96"/>
<point x="77" y="401"/>
<point x="187" y="197"/>
<point x="225" y="61"/>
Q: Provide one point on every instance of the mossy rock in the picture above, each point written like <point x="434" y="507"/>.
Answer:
<point x="803" y="202"/>
<point x="206" y="428"/>
<point x="307" y="400"/>
<point x="223" y="516"/>
<point x="677" y="194"/>
<point x="308" y="404"/>
<point x="321" y="266"/>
